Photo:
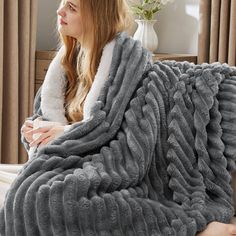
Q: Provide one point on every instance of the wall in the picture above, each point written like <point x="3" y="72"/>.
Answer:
<point x="46" y="26"/>
<point x="177" y="26"/>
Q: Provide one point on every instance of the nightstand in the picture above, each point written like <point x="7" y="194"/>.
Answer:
<point x="43" y="60"/>
<point x="176" y="57"/>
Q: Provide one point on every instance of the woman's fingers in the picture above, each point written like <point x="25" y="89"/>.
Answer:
<point x="27" y="126"/>
<point x="28" y="138"/>
<point x="29" y="123"/>
<point x="46" y="140"/>
<point x="25" y="129"/>
<point x="43" y="139"/>
<point x="50" y="132"/>
<point x="40" y="139"/>
<point x="39" y="130"/>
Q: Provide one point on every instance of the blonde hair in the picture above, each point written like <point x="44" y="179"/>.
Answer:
<point x="101" y="20"/>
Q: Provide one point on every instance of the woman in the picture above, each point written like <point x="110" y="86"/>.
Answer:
<point x="88" y="30"/>
<point x="75" y="31"/>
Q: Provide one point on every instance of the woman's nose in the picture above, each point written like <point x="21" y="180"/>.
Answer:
<point x="60" y="12"/>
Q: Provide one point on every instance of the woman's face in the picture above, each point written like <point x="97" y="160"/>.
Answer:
<point x="69" y="19"/>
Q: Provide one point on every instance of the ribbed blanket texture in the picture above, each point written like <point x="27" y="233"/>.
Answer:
<point x="155" y="158"/>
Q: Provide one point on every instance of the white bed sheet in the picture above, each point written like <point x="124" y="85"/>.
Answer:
<point x="8" y="173"/>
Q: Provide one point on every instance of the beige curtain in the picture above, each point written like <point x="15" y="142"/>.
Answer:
<point x="17" y="63"/>
<point x="217" y="31"/>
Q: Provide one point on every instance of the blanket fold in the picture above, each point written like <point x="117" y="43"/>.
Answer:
<point x="155" y="158"/>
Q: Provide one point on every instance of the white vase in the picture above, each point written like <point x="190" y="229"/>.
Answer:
<point x="146" y="34"/>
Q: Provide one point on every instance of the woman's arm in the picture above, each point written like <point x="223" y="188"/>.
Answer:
<point x="37" y="113"/>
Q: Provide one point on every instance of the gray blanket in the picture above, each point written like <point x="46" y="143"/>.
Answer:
<point x="154" y="159"/>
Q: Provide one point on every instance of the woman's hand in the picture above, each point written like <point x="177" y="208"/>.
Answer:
<point x="47" y="134"/>
<point x="218" y="229"/>
<point x="26" y="127"/>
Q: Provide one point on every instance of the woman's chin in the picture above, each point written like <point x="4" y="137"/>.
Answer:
<point x="64" y="32"/>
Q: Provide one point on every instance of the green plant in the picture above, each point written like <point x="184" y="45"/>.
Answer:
<point x="147" y="8"/>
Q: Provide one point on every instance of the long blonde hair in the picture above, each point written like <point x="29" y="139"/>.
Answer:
<point x="102" y="20"/>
